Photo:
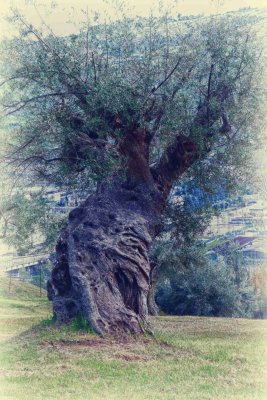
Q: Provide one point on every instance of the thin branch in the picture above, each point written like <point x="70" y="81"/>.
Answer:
<point x="226" y="127"/>
<point x="23" y="146"/>
<point x="240" y="69"/>
<point x="41" y="40"/>
<point x="230" y="137"/>
<point x="157" y="122"/>
<point x="181" y="83"/>
<point x="42" y="158"/>
<point x="43" y="22"/>
<point x="24" y="103"/>
<point x="209" y="92"/>
<point x="209" y="82"/>
<point x="167" y="44"/>
<point x="49" y="160"/>
<point x="168" y="76"/>
<point x="150" y="109"/>
<point x="18" y="176"/>
<point x="93" y="62"/>
<point x="10" y="79"/>
<point x="87" y="48"/>
<point x="106" y="42"/>
<point x="153" y="90"/>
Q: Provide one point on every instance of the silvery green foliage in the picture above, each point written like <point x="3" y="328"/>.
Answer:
<point x="206" y="288"/>
<point x="26" y="220"/>
<point x="70" y="99"/>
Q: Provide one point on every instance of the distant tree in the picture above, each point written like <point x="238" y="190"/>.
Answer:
<point x="27" y="220"/>
<point x="128" y="109"/>
<point x="224" y="287"/>
<point x="179" y="244"/>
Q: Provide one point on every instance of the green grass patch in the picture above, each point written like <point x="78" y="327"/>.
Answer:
<point x="185" y="358"/>
<point x="79" y="323"/>
<point x="49" y="321"/>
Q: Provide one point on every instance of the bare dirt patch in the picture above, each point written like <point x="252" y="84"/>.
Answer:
<point x="125" y="349"/>
<point x="97" y="342"/>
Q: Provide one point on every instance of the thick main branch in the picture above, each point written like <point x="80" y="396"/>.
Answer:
<point x="178" y="156"/>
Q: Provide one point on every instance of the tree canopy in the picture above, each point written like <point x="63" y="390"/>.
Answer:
<point x="127" y="109"/>
<point x="71" y="101"/>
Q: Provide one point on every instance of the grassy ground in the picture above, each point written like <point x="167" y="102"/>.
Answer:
<point x="188" y="358"/>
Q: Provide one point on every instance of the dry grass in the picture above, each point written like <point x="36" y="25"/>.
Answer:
<point x="187" y="358"/>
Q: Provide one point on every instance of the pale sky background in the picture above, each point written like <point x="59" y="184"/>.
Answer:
<point x="72" y="9"/>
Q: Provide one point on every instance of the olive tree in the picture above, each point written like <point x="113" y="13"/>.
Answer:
<point x="126" y="110"/>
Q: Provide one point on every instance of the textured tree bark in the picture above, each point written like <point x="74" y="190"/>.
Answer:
<point x="102" y="269"/>
<point x="151" y="303"/>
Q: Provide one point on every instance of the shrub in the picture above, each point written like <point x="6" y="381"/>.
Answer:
<point x="211" y="289"/>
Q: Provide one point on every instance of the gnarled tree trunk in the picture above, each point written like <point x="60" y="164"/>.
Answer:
<point x="102" y="269"/>
<point x="151" y="303"/>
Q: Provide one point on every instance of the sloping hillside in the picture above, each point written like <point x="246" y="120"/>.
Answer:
<point x="21" y="306"/>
